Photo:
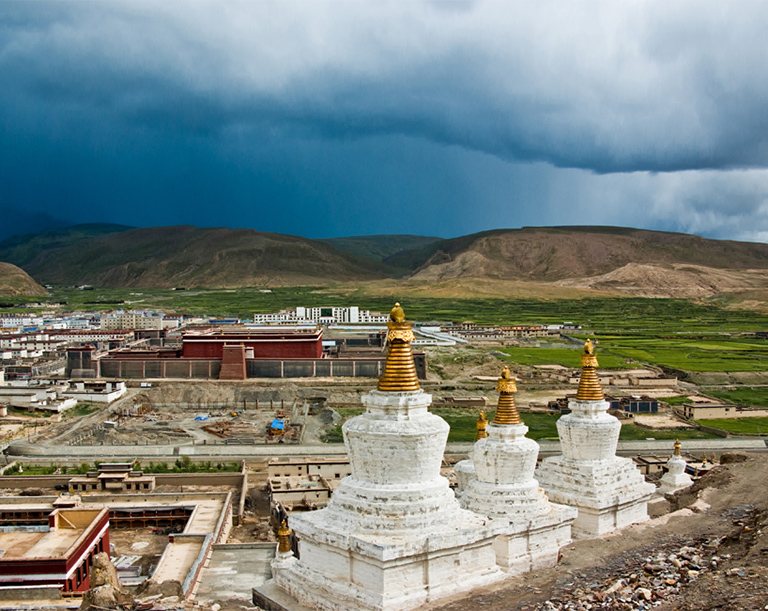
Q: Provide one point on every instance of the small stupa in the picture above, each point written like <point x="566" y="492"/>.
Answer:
<point x="393" y="536"/>
<point x="609" y="491"/>
<point x="675" y="478"/>
<point x="498" y="481"/>
<point x="482" y="426"/>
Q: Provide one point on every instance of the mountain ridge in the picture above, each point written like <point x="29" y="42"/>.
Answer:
<point x="603" y="259"/>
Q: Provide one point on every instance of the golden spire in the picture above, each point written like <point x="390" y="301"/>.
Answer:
<point x="589" y="384"/>
<point x="482" y="422"/>
<point x="506" y="412"/>
<point x="677" y="447"/>
<point x="284" y="538"/>
<point x="400" y="372"/>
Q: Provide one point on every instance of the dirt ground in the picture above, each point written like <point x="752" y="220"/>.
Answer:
<point x="146" y="543"/>
<point x="731" y="538"/>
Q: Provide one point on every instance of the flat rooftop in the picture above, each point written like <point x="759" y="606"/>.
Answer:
<point x="40" y="542"/>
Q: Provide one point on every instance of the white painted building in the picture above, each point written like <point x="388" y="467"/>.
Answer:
<point x="321" y="315"/>
<point x="133" y="320"/>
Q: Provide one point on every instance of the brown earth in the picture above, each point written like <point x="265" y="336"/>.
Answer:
<point x="15" y="282"/>
<point x="673" y="280"/>
<point x="577" y="252"/>
<point x="731" y="538"/>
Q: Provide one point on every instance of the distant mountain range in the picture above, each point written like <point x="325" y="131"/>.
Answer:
<point x="605" y="259"/>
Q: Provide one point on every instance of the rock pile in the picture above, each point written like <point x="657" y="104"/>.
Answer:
<point x="645" y="582"/>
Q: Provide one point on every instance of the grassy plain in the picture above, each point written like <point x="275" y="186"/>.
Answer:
<point x="748" y="395"/>
<point x="674" y="333"/>
<point x="739" y="426"/>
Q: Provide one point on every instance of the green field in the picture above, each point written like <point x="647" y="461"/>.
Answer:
<point x="739" y="426"/>
<point x="693" y="352"/>
<point x="463" y="423"/>
<point x="182" y="465"/>
<point x="604" y="315"/>
<point x="567" y="357"/>
<point x="629" y="332"/>
<point x="755" y="397"/>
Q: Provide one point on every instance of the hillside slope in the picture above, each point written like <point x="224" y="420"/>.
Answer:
<point x="15" y="282"/>
<point x="21" y="249"/>
<point x="559" y="253"/>
<point x="190" y="256"/>
<point x="380" y="247"/>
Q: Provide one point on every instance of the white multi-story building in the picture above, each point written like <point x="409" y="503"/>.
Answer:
<point x="12" y="321"/>
<point x="137" y="320"/>
<point x="323" y="316"/>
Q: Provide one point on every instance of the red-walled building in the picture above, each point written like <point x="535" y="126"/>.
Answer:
<point x="295" y="343"/>
<point x="55" y="552"/>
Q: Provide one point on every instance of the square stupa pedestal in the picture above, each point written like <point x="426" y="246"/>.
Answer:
<point x="393" y="536"/>
<point x="609" y="491"/>
<point x="498" y="482"/>
<point x="609" y="496"/>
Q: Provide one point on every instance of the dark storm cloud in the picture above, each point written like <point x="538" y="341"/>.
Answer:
<point x="605" y="87"/>
<point x="303" y="117"/>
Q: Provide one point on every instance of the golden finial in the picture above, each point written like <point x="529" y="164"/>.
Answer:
<point x="284" y="538"/>
<point x="677" y="447"/>
<point x="397" y="314"/>
<point x="400" y="371"/>
<point x="482" y="423"/>
<point x="589" y="384"/>
<point x="506" y="411"/>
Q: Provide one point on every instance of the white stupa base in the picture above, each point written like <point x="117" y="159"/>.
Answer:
<point x="535" y="544"/>
<point x="675" y="478"/>
<point x="498" y="482"/>
<point x="610" y="494"/>
<point x="393" y="537"/>
<point x="339" y="571"/>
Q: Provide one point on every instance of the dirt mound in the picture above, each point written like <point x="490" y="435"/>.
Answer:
<point x="673" y="280"/>
<point x="14" y="281"/>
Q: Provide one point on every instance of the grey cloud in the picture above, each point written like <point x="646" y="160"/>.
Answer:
<point x="607" y="87"/>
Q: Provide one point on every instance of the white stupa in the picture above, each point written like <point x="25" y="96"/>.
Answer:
<point x="609" y="491"/>
<point x="393" y="536"/>
<point x="675" y="478"/>
<point x="498" y="481"/>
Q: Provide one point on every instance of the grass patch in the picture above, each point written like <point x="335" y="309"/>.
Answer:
<point x="333" y="434"/>
<point x="678" y="400"/>
<point x="757" y="397"/>
<point x="567" y="357"/>
<point x="81" y="409"/>
<point x="632" y="432"/>
<point x="185" y="465"/>
<point x="743" y="426"/>
<point x="463" y="423"/>
<point x="182" y="465"/>
<point x="18" y="411"/>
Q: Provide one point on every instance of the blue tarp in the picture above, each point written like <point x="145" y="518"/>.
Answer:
<point x="277" y="424"/>
<point x="202" y="418"/>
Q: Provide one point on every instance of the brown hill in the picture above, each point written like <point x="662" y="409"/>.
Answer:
<point x="15" y="282"/>
<point x="675" y="280"/>
<point x="552" y="254"/>
<point x="191" y="256"/>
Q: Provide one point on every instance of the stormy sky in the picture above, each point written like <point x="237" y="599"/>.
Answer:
<point x="341" y="118"/>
